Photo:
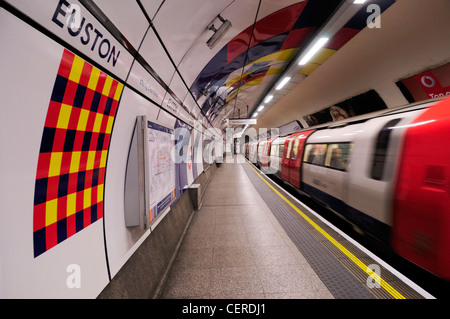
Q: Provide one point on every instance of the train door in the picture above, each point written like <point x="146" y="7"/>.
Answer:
<point x="294" y="163"/>
<point x="285" y="160"/>
<point x="259" y="148"/>
<point x="276" y="154"/>
<point x="372" y="170"/>
<point x="265" y="155"/>
<point x="253" y="155"/>
<point x="294" y="159"/>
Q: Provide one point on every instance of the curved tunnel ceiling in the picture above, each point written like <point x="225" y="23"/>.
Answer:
<point x="242" y="71"/>
<point x="234" y="81"/>
<point x="262" y="43"/>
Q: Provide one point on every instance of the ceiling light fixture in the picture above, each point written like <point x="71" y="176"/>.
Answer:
<point x="218" y="33"/>
<point x="319" y="44"/>
<point x="344" y="13"/>
<point x="283" y="83"/>
<point x="255" y="115"/>
<point x="260" y="108"/>
<point x="268" y="99"/>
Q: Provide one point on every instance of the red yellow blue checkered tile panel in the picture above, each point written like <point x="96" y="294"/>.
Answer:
<point x="72" y="160"/>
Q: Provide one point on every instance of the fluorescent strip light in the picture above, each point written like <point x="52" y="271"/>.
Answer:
<point x="283" y="83"/>
<point x="260" y="108"/>
<point x="319" y="44"/>
<point x="255" y="115"/>
<point x="268" y="99"/>
<point x="359" y="1"/>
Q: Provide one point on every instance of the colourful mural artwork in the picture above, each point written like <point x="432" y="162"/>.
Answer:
<point x="74" y="148"/>
<point x="256" y="54"/>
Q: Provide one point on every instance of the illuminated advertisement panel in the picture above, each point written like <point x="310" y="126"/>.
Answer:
<point x="431" y="84"/>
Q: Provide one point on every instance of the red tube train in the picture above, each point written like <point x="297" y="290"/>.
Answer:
<point x="389" y="174"/>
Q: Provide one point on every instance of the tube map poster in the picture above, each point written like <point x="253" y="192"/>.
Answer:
<point x="161" y="168"/>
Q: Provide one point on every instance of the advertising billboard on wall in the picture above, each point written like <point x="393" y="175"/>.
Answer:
<point x="430" y="84"/>
<point x="364" y="103"/>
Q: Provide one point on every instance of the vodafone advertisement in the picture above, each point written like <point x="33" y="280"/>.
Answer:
<point x="428" y="85"/>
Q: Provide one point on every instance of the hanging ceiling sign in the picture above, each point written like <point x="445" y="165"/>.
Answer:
<point x="242" y="121"/>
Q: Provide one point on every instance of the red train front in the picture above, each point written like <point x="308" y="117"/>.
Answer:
<point x="421" y="212"/>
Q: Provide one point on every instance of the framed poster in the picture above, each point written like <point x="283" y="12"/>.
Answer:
<point x="161" y="169"/>
<point x="363" y="103"/>
<point x="434" y="83"/>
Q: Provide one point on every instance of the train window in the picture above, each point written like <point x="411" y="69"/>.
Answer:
<point x="308" y="153"/>
<point x="280" y="151"/>
<point x="295" y="150"/>
<point x="260" y="148"/>
<point x="338" y="155"/>
<point x="273" y="149"/>
<point x="289" y="149"/>
<point x="381" y="147"/>
<point x="315" y="154"/>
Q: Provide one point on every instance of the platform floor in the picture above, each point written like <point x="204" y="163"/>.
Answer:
<point x="236" y="246"/>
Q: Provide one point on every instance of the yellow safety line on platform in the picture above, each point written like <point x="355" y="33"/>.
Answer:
<point x="352" y="257"/>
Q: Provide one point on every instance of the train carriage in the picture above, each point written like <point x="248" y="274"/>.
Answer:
<point x="351" y="169"/>
<point x="421" y="206"/>
<point x="388" y="174"/>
